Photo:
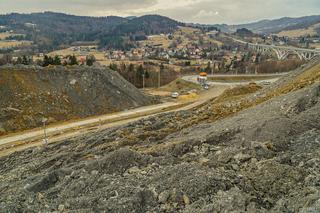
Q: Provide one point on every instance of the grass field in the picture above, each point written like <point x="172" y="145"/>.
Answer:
<point x="317" y="45"/>
<point x="8" y="44"/>
<point x="300" y="32"/>
<point x="100" y="57"/>
<point x="3" y="36"/>
<point x="187" y="36"/>
<point x="180" y="85"/>
<point x="239" y="78"/>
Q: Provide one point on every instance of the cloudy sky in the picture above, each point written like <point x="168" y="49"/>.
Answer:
<point x="197" y="11"/>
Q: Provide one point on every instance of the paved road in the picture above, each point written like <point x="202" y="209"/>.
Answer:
<point x="269" y="78"/>
<point x="96" y="120"/>
<point x="57" y="133"/>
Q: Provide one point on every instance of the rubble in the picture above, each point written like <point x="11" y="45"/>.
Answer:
<point x="61" y="93"/>
<point x="253" y="151"/>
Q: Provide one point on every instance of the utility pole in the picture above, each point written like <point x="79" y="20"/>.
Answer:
<point x="159" y="78"/>
<point x="143" y="81"/>
<point x="45" y="139"/>
<point x="212" y="69"/>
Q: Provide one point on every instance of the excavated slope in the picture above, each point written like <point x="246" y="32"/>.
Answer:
<point x="28" y="94"/>
<point x="249" y="150"/>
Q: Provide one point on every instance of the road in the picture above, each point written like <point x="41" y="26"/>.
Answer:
<point x="56" y="133"/>
<point x="96" y="120"/>
<point x="269" y="78"/>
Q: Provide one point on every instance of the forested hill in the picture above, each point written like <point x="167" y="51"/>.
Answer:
<point x="277" y="25"/>
<point x="50" y="30"/>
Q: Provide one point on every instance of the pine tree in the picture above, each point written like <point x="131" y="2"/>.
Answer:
<point x="146" y="74"/>
<point x="161" y="67"/>
<point x="113" y="66"/>
<point x="56" y="60"/>
<point x="47" y="60"/>
<point x="208" y="68"/>
<point x="19" y="60"/>
<point x="25" y="60"/>
<point x="90" y="59"/>
<point x="73" y="60"/>
<point x="131" y="67"/>
<point x="139" y="74"/>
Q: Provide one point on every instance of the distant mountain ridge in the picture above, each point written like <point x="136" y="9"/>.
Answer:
<point x="277" y="25"/>
<point x="50" y="30"/>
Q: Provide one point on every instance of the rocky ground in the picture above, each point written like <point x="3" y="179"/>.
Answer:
<point x="249" y="150"/>
<point x="29" y="94"/>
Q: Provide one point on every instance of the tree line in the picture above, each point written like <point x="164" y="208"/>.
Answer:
<point x="145" y="75"/>
<point x="47" y="60"/>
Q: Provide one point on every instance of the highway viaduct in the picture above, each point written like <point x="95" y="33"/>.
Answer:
<point x="282" y="52"/>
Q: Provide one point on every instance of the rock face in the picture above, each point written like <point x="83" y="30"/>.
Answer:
<point x="265" y="158"/>
<point x="58" y="93"/>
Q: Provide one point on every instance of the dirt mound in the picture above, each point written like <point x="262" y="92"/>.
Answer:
<point x="28" y="94"/>
<point x="180" y="85"/>
<point x="251" y="153"/>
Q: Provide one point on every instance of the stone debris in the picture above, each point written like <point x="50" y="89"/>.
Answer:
<point x="61" y="93"/>
<point x="264" y="158"/>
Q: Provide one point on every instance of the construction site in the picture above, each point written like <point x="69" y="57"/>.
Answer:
<point x="240" y="148"/>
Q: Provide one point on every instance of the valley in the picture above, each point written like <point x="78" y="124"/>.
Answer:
<point x="150" y="114"/>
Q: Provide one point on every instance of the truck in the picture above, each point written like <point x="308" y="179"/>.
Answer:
<point x="202" y="78"/>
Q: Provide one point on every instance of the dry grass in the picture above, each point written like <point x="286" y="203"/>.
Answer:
<point x="237" y="92"/>
<point x="8" y="44"/>
<point x="239" y="78"/>
<point x="157" y="92"/>
<point x="184" y="33"/>
<point x="300" y="32"/>
<point x="188" y="30"/>
<point x="158" y="40"/>
<point x="188" y="97"/>
<point x="177" y="85"/>
<point x="180" y="85"/>
<point x="219" y="43"/>
<point x="316" y="45"/>
<point x="100" y="56"/>
<point x="221" y="109"/>
<point x="306" y="78"/>
<point x="4" y="35"/>
<point x="63" y="52"/>
<point x="234" y="100"/>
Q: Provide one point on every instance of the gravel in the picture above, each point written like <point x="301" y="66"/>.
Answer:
<point x="265" y="158"/>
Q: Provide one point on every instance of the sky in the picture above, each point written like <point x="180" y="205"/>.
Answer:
<point x="195" y="11"/>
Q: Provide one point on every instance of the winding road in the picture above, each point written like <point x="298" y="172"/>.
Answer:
<point x="270" y="78"/>
<point x="59" y="132"/>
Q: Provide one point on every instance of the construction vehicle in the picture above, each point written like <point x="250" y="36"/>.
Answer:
<point x="202" y="78"/>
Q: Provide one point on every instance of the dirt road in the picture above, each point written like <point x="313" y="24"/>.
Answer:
<point x="56" y="133"/>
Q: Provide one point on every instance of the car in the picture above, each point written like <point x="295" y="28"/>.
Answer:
<point x="266" y="83"/>
<point x="175" y="95"/>
<point x="206" y="86"/>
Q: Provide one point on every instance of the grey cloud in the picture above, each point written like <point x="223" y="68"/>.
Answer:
<point x="242" y="11"/>
<point x="80" y="7"/>
<point x="201" y="11"/>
